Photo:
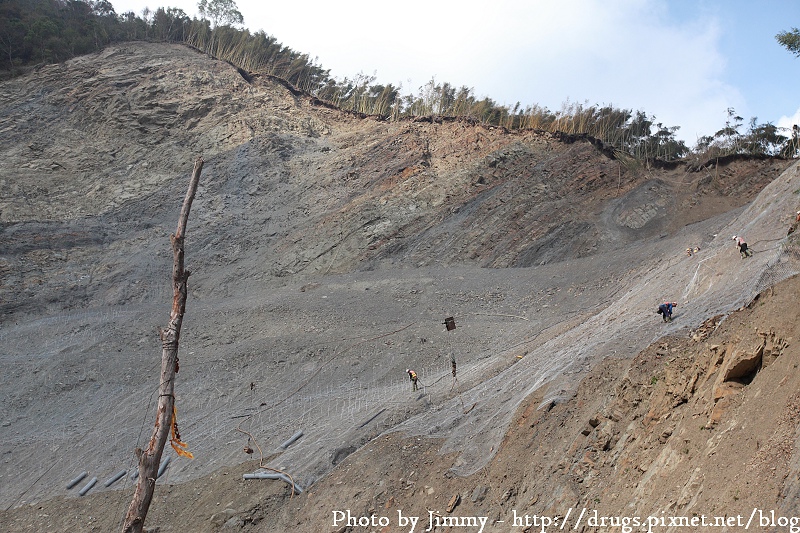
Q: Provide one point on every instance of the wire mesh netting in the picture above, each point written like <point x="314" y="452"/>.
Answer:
<point x="715" y="280"/>
<point x="257" y="369"/>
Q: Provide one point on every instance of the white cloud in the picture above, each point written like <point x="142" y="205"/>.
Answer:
<point x="625" y="53"/>
<point x="788" y="122"/>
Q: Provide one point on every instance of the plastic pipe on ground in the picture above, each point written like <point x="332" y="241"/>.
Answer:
<point x="277" y="475"/>
<point x="163" y="467"/>
<point x="77" y="480"/>
<point x="86" y="488"/>
<point x="291" y="440"/>
<point x="110" y="481"/>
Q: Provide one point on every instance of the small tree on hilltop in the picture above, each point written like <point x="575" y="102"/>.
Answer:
<point x="224" y="12"/>
<point x="219" y="12"/>
<point x="790" y="40"/>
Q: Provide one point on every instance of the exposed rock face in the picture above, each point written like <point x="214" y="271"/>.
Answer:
<point x="96" y="151"/>
<point x="326" y="250"/>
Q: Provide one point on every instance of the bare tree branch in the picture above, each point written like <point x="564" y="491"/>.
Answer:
<point x="150" y="458"/>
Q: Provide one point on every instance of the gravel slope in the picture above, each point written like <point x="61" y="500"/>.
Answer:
<point x="326" y="251"/>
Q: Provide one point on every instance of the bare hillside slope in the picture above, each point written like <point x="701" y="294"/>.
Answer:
<point x="326" y="250"/>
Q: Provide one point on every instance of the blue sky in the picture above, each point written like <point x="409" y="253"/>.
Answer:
<point x="684" y="61"/>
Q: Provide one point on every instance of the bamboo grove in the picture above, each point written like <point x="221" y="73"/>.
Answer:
<point x="45" y="31"/>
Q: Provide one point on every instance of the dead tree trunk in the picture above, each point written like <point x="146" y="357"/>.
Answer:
<point x="150" y="458"/>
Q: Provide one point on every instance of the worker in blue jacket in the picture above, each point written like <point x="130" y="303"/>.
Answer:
<point x="665" y="310"/>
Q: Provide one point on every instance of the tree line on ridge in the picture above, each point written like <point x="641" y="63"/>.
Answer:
<point x="48" y="31"/>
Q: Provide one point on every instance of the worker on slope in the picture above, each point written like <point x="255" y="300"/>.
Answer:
<point x="743" y="249"/>
<point x="665" y="310"/>
<point x="794" y="226"/>
<point x="413" y="377"/>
